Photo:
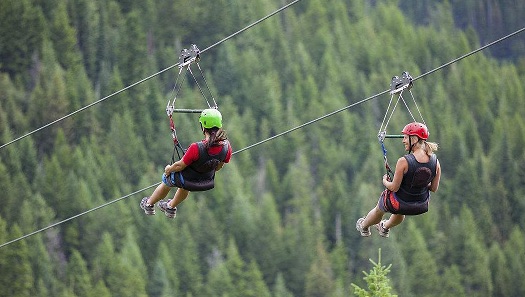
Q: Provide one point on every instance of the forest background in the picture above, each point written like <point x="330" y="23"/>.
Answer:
<point x="281" y="219"/>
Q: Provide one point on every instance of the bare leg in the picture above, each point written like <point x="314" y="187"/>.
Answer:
<point x="160" y="192"/>
<point x="179" y="196"/>
<point x="393" y="221"/>
<point x="373" y="217"/>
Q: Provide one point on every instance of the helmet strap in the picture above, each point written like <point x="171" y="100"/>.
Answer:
<point x="410" y="145"/>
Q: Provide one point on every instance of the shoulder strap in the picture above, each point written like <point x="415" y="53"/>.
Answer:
<point x="224" y="151"/>
<point x="410" y="159"/>
<point x="433" y="164"/>
<point x="202" y="150"/>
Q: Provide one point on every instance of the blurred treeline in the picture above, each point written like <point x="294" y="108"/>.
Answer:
<point x="281" y="219"/>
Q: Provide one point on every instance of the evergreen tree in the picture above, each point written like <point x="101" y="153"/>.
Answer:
<point x="452" y="283"/>
<point x="159" y="284"/>
<point x="15" y="270"/>
<point x="21" y="36"/>
<point x="422" y="268"/>
<point x="270" y="236"/>
<point x="79" y="280"/>
<point x="86" y="21"/>
<point x="187" y="261"/>
<point x="255" y="285"/>
<point x="48" y="101"/>
<point x="377" y="281"/>
<point x="236" y="268"/>
<point x="127" y="148"/>
<point x="473" y="261"/>
<point x="515" y="260"/>
<point x="279" y="288"/>
<point x="501" y="275"/>
<point x="320" y="279"/>
<point x="219" y="281"/>
<point x="63" y="36"/>
<point x="133" y="49"/>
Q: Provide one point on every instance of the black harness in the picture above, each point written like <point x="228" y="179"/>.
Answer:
<point x="413" y="195"/>
<point x="199" y="175"/>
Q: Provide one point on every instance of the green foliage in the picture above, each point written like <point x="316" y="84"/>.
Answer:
<point x="21" y="36"/>
<point x="377" y="281"/>
<point x="16" y="275"/>
<point x="280" y="220"/>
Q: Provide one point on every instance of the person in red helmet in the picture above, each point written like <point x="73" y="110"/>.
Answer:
<point x="408" y="193"/>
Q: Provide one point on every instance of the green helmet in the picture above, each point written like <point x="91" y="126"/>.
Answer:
<point x="210" y="118"/>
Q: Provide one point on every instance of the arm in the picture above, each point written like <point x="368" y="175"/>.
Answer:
<point x="401" y="169"/>
<point x="175" y="167"/>
<point x="434" y="184"/>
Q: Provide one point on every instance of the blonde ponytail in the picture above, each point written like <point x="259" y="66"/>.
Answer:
<point x="430" y="147"/>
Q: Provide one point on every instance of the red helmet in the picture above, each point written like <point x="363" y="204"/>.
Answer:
<point x="417" y="129"/>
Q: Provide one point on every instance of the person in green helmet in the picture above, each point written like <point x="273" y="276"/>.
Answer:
<point x="196" y="170"/>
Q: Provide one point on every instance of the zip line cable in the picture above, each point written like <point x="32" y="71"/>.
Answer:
<point x="251" y="25"/>
<point x="147" y="78"/>
<point x="156" y="184"/>
<point x="78" y="215"/>
<point x="471" y="53"/>
<point x="273" y="137"/>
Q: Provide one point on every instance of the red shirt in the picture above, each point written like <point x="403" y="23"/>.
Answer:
<point x="192" y="154"/>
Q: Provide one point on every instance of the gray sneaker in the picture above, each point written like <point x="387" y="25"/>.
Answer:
<point x="381" y="229"/>
<point x="148" y="209"/>
<point x="168" y="211"/>
<point x="365" y="232"/>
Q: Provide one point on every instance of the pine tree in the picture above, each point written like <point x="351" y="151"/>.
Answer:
<point x="255" y="285"/>
<point x="159" y="285"/>
<point x="279" y="288"/>
<point x="515" y="260"/>
<point x="219" y="282"/>
<point x="236" y="268"/>
<point x="473" y="260"/>
<point x="187" y="261"/>
<point x="451" y="283"/>
<point x="501" y="274"/>
<point x="78" y="278"/>
<point x="63" y="36"/>
<point x="422" y="269"/>
<point x="267" y="248"/>
<point x="86" y="21"/>
<point x="16" y="277"/>
<point x="20" y="35"/>
<point x="378" y="284"/>
<point x="320" y="279"/>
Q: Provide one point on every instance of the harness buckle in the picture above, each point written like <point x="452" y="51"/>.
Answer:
<point x="399" y="84"/>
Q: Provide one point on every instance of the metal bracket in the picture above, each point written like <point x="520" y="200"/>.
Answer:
<point x="381" y="136"/>
<point x="169" y="109"/>
<point x="188" y="56"/>
<point x="399" y="84"/>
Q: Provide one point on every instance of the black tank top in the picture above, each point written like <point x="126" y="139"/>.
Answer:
<point x="414" y="186"/>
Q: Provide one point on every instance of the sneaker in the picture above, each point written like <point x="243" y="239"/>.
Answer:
<point x="381" y="229"/>
<point x="148" y="209"/>
<point x="168" y="211"/>
<point x="365" y="232"/>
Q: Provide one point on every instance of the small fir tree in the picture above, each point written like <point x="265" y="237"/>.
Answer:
<point x="377" y="281"/>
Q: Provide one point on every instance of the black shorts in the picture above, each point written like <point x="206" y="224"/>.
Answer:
<point x="388" y="202"/>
